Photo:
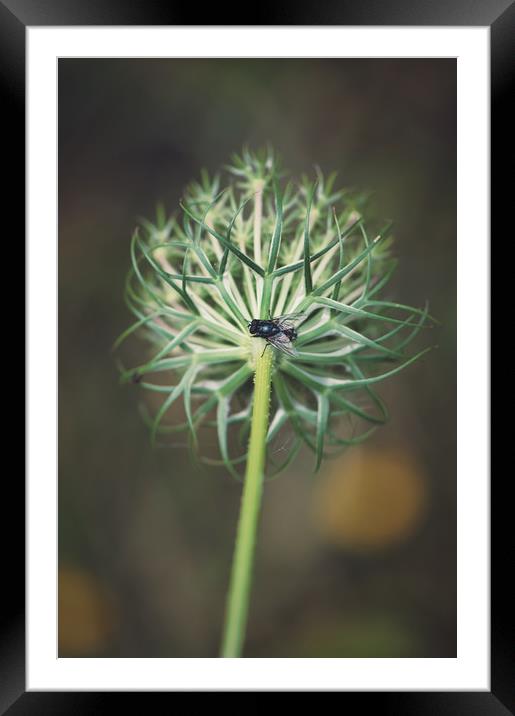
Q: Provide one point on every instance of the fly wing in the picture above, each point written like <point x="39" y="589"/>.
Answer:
<point x="289" y="320"/>
<point x="283" y="343"/>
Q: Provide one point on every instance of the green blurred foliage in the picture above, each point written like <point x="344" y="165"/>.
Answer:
<point x="145" y="526"/>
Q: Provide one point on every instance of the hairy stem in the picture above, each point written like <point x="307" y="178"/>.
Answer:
<point x="241" y="574"/>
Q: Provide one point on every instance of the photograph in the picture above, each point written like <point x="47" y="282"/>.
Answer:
<point x="257" y="267"/>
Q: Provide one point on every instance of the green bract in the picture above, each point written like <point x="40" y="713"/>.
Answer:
<point x="253" y="249"/>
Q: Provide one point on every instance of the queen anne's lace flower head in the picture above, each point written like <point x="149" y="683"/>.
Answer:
<point x="259" y="249"/>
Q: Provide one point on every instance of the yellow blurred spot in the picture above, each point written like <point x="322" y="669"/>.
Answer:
<point x="85" y="613"/>
<point x="369" y="499"/>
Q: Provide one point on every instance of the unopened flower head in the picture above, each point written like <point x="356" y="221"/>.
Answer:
<point x="301" y="256"/>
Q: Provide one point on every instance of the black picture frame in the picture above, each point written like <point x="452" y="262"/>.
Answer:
<point x="15" y="17"/>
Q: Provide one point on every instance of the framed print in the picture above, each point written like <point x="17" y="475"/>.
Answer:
<point x="234" y="234"/>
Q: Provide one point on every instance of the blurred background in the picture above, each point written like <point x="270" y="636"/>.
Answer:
<point x="358" y="560"/>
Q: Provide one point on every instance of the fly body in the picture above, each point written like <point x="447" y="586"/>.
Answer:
<point x="279" y="332"/>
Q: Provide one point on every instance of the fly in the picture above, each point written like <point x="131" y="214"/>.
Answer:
<point x="279" y="332"/>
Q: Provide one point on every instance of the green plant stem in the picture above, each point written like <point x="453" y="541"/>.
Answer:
<point x="241" y="574"/>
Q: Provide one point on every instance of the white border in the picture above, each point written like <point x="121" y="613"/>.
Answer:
<point x="470" y="670"/>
